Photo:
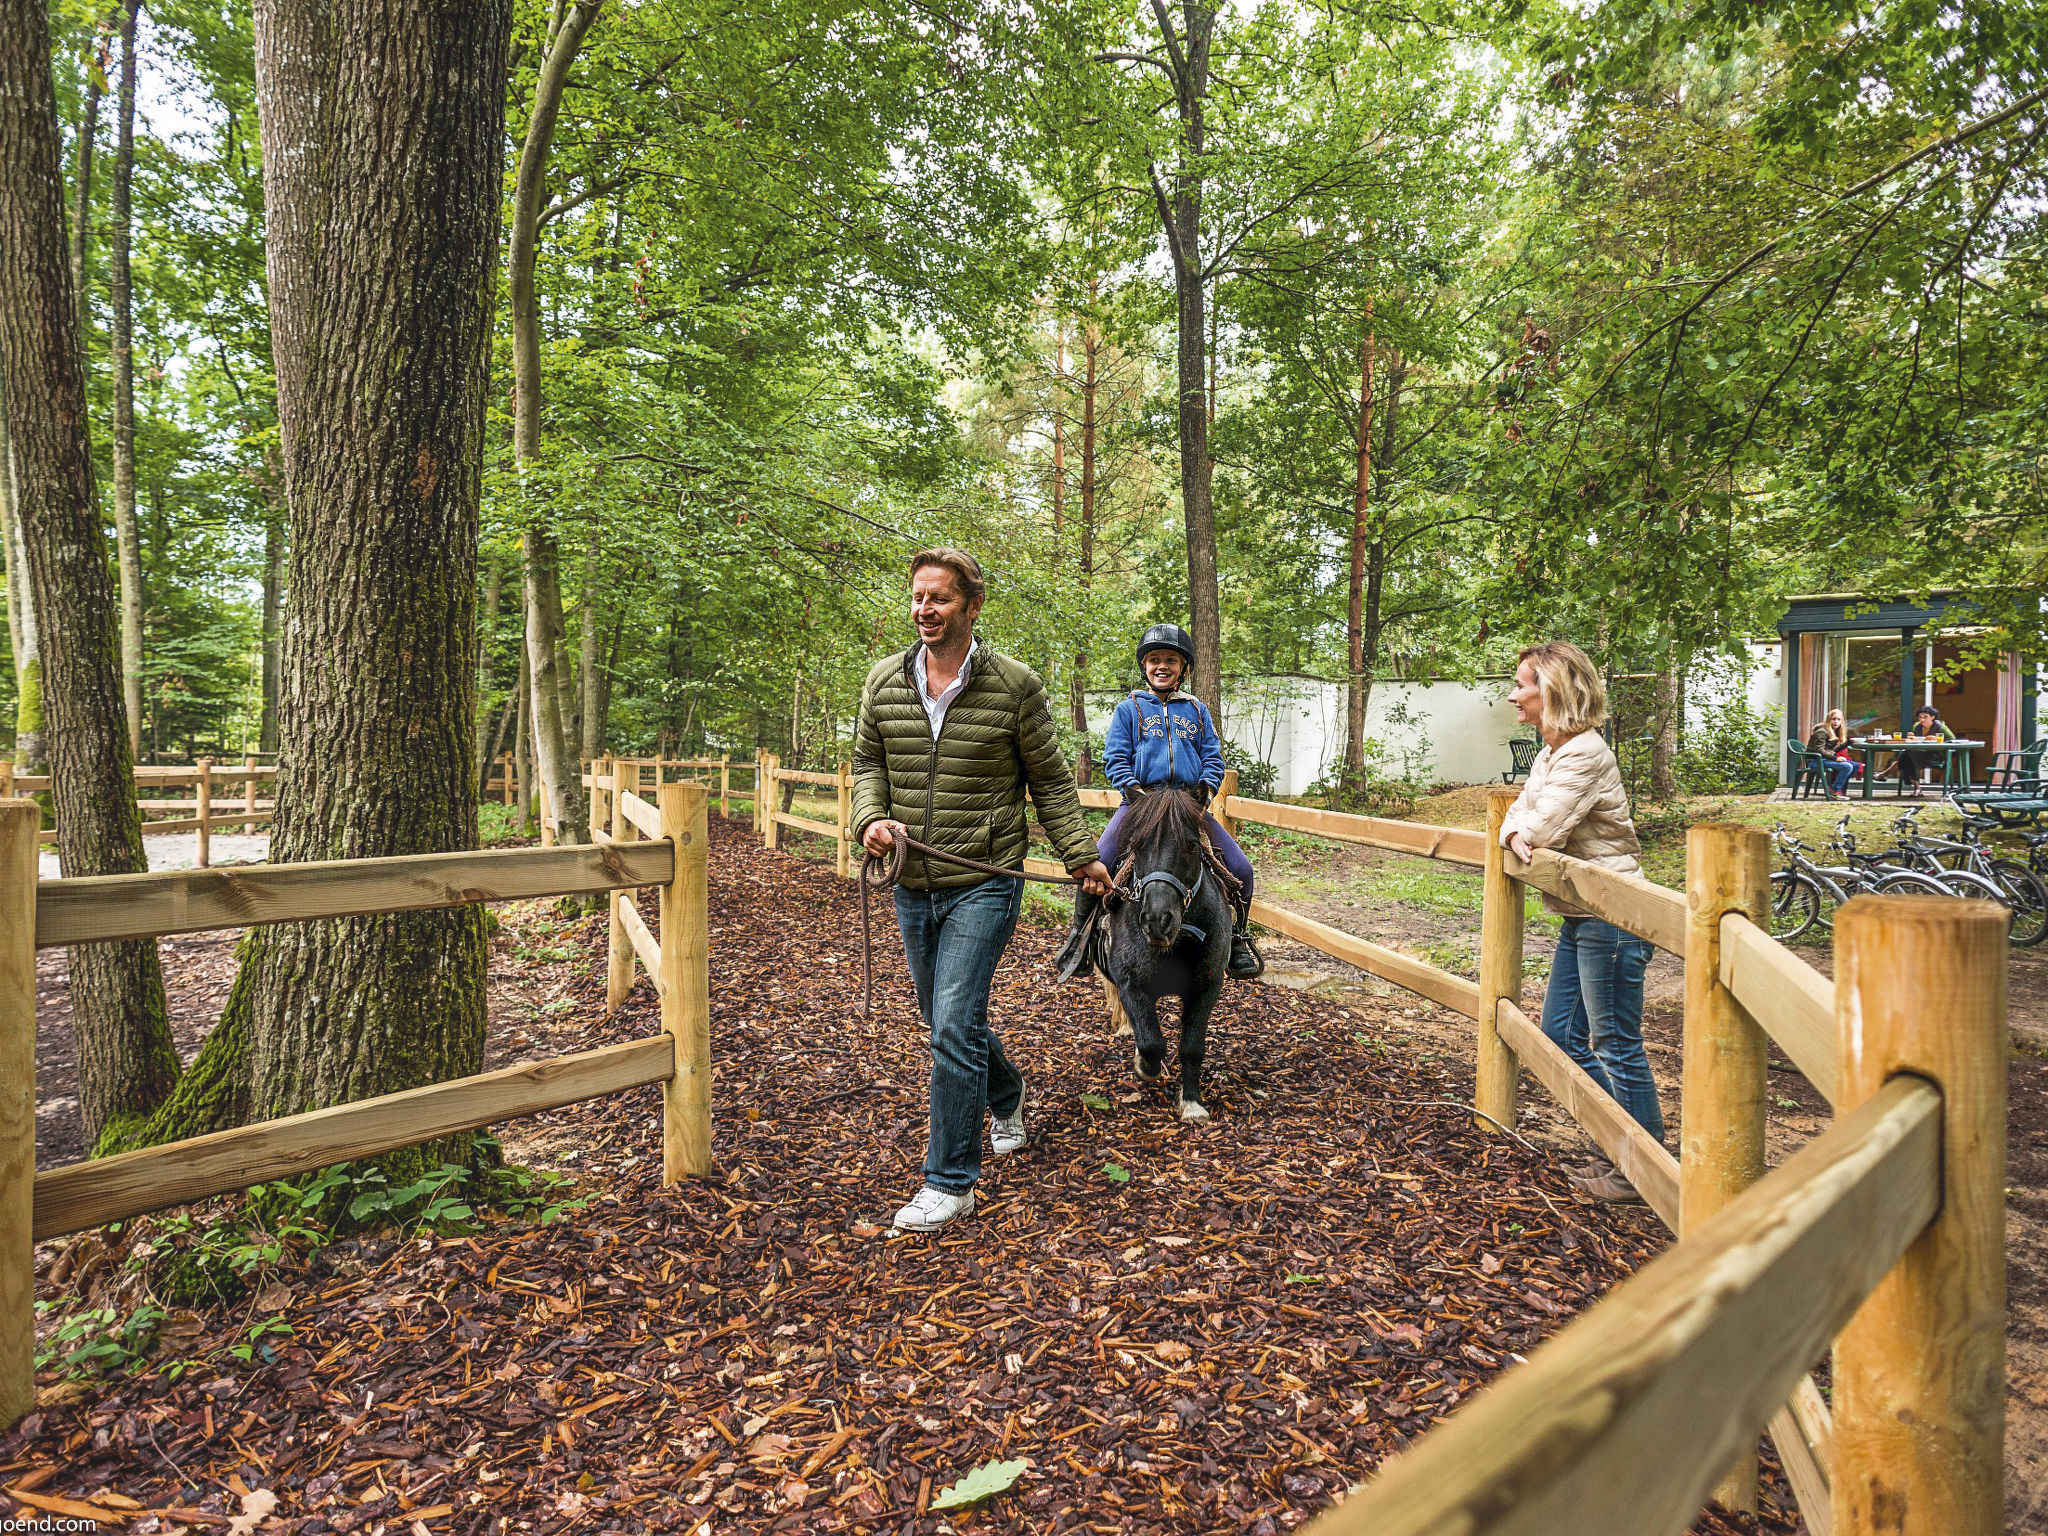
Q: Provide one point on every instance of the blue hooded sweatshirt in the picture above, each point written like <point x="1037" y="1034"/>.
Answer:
<point x="1153" y="741"/>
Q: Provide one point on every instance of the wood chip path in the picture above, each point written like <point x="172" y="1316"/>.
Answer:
<point x="1181" y="1329"/>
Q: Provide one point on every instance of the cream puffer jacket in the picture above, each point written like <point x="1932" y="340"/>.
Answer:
<point x="1575" y="804"/>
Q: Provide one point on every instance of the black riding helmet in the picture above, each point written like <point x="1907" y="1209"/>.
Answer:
<point x="1167" y="637"/>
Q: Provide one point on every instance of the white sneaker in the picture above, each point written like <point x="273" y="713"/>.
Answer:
<point x="1006" y="1133"/>
<point x="932" y="1208"/>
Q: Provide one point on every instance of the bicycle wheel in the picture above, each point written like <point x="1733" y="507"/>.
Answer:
<point x="1795" y="904"/>
<point x="1906" y="882"/>
<point x="2028" y="895"/>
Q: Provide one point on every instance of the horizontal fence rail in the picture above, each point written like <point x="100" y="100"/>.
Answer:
<point x="93" y="1193"/>
<point x="193" y="900"/>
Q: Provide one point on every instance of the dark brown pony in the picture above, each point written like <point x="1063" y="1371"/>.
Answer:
<point x="1171" y="938"/>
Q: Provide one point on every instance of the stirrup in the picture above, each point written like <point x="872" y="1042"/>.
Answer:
<point x="1254" y="965"/>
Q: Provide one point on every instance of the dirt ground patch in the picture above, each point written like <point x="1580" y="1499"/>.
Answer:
<point x="1186" y="1329"/>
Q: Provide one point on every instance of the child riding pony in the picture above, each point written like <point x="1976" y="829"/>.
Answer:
<point x="1161" y="737"/>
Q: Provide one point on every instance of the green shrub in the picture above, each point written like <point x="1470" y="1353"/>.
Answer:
<point x="1734" y="751"/>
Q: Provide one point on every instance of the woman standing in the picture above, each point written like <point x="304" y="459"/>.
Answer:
<point x="1574" y="803"/>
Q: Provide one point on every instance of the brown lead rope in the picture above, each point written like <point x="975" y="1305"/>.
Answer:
<point x="880" y="871"/>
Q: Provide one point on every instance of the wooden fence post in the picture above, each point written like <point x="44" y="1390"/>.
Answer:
<point x="249" y="796"/>
<point x="770" y="834"/>
<point x="1919" y="1400"/>
<point x="754" y="800"/>
<point x="6" y="779"/>
<point x="205" y="811"/>
<point x="725" y="785"/>
<point x="618" y="976"/>
<point x="1218" y="807"/>
<point x="511" y="779"/>
<point x="20" y="823"/>
<point x="686" y="985"/>
<point x="1498" y="1088"/>
<point x="1726" y="1076"/>
<point x="845" y="819"/>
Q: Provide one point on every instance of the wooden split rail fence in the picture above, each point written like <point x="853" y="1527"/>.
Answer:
<point x="206" y="811"/>
<point x="670" y="854"/>
<point x="1883" y="1238"/>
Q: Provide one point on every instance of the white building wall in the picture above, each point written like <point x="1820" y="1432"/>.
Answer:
<point x="1435" y="732"/>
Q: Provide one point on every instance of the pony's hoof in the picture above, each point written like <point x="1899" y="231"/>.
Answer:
<point x="1149" y="1073"/>
<point x="1192" y="1112"/>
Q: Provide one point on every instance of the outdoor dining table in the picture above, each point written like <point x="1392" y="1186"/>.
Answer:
<point x="1869" y="746"/>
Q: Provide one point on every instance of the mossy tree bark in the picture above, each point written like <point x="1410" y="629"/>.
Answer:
<point x="125" y="1058"/>
<point x="381" y="128"/>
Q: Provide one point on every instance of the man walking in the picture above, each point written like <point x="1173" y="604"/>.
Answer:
<point x="951" y="734"/>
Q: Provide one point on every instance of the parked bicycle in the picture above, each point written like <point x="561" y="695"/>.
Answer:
<point x="1805" y="893"/>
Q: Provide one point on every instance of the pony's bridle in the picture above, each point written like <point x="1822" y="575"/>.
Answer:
<point x="1188" y="893"/>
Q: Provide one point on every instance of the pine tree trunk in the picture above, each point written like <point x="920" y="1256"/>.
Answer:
<point x="1181" y="212"/>
<point x="381" y="130"/>
<point x="1358" y="689"/>
<point x="486" y="631"/>
<point x="125" y="1058"/>
<point x="561" y="779"/>
<point x="1664" y="745"/>
<point x="522" y="737"/>
<point x="81" y="214"/>
<point x="127" y="540"/>
<point x="1091" y="350"/>
<point x="273" y="603"/>
<point x="22" y="633"/>
<point x="590" y="656"/>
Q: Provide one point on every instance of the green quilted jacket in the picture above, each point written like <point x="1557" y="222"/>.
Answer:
<point x="965" y="791"/>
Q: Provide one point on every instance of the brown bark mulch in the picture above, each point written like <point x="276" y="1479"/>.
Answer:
<point x="1181" y="1329"/>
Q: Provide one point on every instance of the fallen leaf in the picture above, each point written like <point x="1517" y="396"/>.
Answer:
<point x="985" y="1481"/>
<point x="1172" y="1351"/>
<point x="257" y="1505"/>
<point x="1117" y="1173"/>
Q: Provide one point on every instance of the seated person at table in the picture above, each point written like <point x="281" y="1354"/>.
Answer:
<point x="1160" y="738"/>
<point x="1840" y="770"/>
<point x="1927" y="722"/>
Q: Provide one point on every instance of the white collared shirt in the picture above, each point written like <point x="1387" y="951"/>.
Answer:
<point x="935" y="708"/>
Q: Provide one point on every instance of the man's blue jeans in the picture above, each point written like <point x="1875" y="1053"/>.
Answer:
<point x="953" y="939"/>
<point x="1594" y="1012"/>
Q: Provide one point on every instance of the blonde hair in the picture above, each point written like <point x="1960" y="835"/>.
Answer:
<point x="1574" y="697"/>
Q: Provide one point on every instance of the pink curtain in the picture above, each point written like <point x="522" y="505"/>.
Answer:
<point x="2005" y="731"/>
<point x="1810" y="706"/>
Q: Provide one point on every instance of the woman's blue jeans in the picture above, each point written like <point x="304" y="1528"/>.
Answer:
<point x="953" y="939"/>
<point x="1594" y="1012"/>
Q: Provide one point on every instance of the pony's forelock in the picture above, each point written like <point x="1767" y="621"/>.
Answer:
<point x="1160" y="815"/>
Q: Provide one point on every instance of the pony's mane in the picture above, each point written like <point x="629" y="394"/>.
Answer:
<point x="1160" y="816"/>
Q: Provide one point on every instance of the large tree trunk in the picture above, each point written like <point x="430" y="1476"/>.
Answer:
<point x="125" y="1058"/>
<point x="561" y="779"/>
<point x="1358" y="689"/>
<point x="273" y="603"/>
<point x="381" y="128"/>
<point x="127" y="540"/>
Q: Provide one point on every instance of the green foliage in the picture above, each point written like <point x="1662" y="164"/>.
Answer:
<point x="1733" y="751"/>
<point x="1116" y="1173"/>
<point x="1255" y="777"/>
<point x="95" y="1341"/>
